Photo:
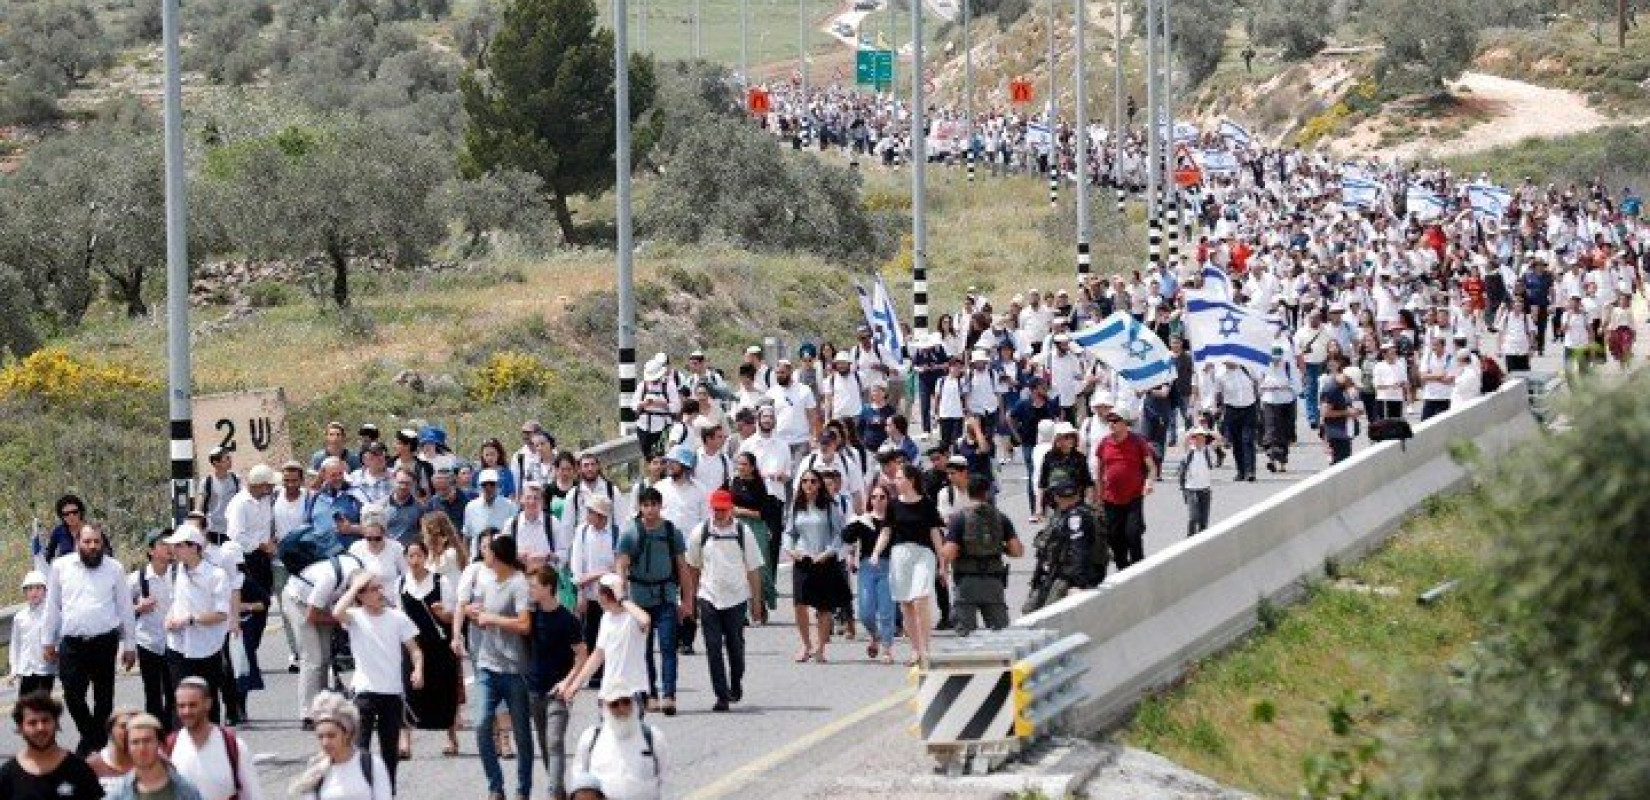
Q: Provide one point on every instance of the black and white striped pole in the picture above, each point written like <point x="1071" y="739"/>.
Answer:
<point x="1154" y="133"/>
<point x="1171" y="186"/>
<point x="626" y="248"/>
<point x="1118" y="130"/>
<point x="1081" y="111"/>
<point x="1053" y="138"/>
<point x="968" y="88"/>
<point x="178" y="389"/>
<point x="919" y="181"/>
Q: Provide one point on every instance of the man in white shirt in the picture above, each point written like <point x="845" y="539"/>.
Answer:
<point x="844" y="391"/>
<point x="213" y="760"/>
<point x="620" y="654"/>
<point x="288" y="513"/>
<point x="591" y="485"/>
<point x="715" y="466"/>
<point x="686" y="504"/>
<point x="374" y="480"/>
<point x="152" y="600"/>
<point x="773" y="456"/>
<point x="218" y="488"/>
<point x="1391" y="379"/>
<point x="728" y="562"/>
<point x="1312" y="343"/>
<point x="532" y="529"/>
<point x="380" y="553"/>
<point x="488" y="510"/>
<point x="198" y="620"/>
<point x="307" y="604"/>
<point x="1065" y="370"/>
<point x="622" y="754"/>
<point x="595" y="550"/>
<point x="798" y="411"/>
<point x="951" y="402"/>
<point x="87" y="618"/>
<point x="1437" y="379"/>
<point x="1239" y="395"/>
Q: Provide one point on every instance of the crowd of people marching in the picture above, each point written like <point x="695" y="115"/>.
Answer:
<point x="870" y="470"/>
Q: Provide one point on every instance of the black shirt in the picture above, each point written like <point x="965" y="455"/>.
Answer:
<point x="71" y="779"/>
<point x="553" y="637"/>
<point x="913" y="523"/>
<point x="864" y="531"/>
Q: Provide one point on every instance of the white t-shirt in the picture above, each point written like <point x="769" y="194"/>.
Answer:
<point x="1390" y="380"/>
<point x="532" y="536"/>
<point x="723" y="562"/>
<point x="289" y="514"/>
<point x="208" y="767"/>
<point x="347" y="782"/>
<point x="627" y="771"/>
<point x="376" y="640"/>
<point x="388" y="565"/>
<point x="791" y="405"/>
<point x="1435" y="364"/>
<point x="623" y="643"/>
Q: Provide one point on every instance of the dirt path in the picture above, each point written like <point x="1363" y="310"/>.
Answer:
<point x="1519" y="111"/>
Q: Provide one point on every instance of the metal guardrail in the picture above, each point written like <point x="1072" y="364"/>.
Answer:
<point x="1544" y="388"/>
<point x="984" y="699"/>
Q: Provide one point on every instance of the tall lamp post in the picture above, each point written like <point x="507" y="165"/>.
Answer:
<point x="178" y="387"/>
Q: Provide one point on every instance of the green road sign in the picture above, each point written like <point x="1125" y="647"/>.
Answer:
<point x="874" y="68"/>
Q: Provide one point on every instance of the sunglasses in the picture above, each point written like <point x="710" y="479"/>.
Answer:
<point x="373" y="538"/>
<point x="810" y="480"/>
<point x="67" y="511"/>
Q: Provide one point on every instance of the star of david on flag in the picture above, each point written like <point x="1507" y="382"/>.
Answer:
<point x="1130" y="348"/>
<point x="1222" y="332"/>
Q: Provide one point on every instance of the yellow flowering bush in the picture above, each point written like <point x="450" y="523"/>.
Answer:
<point x="509" y="373"/>
<point x="57" y="377"/>
<point x="1323" y="124"/>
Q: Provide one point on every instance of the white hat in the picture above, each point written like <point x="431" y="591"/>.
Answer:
<point x="979" y="355"/>
<point x="600" y="505"/>
<point x="655" y="371"/>
<point x="187" y="533"/>
<point x="842" y="358"/>
<point x="612" y="580"/>
<point x="1064" y="428"/>
<point x="1060" y="337"/>
<point x="1102" y="399"/>
<point x="753" y="350"/>
<point x="487" y="476"/>
<point x="261" y="475"/>
<point x="34" y="578"/>
<point x="705" y="423"/>
<point x="1198" y="430"/>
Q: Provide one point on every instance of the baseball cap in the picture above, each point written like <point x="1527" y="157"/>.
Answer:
<point x="600" y="505"/>
<point x="487" y="476"/>
<point x="187" y="534"/>
<point x="262" y="475"/>
<point x="33" y="578"/>
<point x="367" y="429"/>
<point x="956" y="462"/>
<point x="753" y="350"/>
<point x="721" y="499"/>
<point x="612" y="582"/>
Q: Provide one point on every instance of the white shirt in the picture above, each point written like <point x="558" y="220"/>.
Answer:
<point x="791" y="405"/>
<point x="1469" y="382"/>
<point x="625" y="769"/>
<point x="346" y="782"/>
<point x="593" y="553"/>
<point x="773" y="460"/>
<point x="372" y="489"/>
<point x="533" y="536"/>
<point x="952" y="397"/>
<point x="1390" y="380"/>
<point x="249" y="520"/>
<point x="845" y="394"/>
<point x="376" y="640"/>
<point x="623" y="643"/>
<point x="686" y="503"/>
<point x="582" y="494"/>
<point x="479" y="515"/>
<point x="1198" y="473"/>
<point x="151" y="626"/>
<point x="87" y="602"/>
<point x="26" y="629"/>
<point x="208" y="768"/>
<point x="195" y="593"/>
<point x="317" y="586"/>
<point x="288" y="514"/>
<point x="1237" y="387"/>
<point x="1065" y="375"/>
<point x="714" y="469"/>
<point x="724" y="562"/>
<point x="1435" y="364"/>
<point x="389" y="565"/>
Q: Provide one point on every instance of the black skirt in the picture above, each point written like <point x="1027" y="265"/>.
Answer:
<point x="821" y="585"/>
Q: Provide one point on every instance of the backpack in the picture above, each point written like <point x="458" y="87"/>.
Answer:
<point x="1490" y="373"/>
<point x="739" y="535"/>
<point x="306" y="545"/>
<point x="206" y="491"/>
<point x="982" y="542"/>
<point x="366" y="772"/>
<point x="231" y="747"/>
<point x="647" y="740"/>
<point x="643" y="561"/>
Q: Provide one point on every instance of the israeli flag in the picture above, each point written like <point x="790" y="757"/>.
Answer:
<point x="1037" y="134"/>
<point x="1423" y="203"/>
<point x="1233" y="133"/>
<point x="1219" y="162"/>
<point x="1222" y="332"/>
<point x="1359" y="193"/>
<point x="1488" y="200"/>
<point x="1130" y="349"/>
<point x="1216" y="284"/>
<point x="885" y="325"/>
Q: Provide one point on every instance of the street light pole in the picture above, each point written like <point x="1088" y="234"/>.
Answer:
<point x="1154" y="230"/>
<point x="1053" y="138"/>
<point x="626" y="277"/>
<point x="1171" y="187"/>
<point x="968" y="85"/>
<point x="1118" y="130"/>
<point x="744" y="42"/>
<point x="919" y="180"/>
<point x="1082" y="122"/>
<point x="178" y="389"/>
<point x="698" y="51"/>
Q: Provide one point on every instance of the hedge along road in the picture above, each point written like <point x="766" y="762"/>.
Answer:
<point x="788" y="710"/>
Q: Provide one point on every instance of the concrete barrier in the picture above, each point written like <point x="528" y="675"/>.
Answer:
<point x="1187" y="601"/>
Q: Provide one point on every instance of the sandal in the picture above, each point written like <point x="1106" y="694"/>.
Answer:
<point x="802" y="656"/>
<point x="819" y="658"/>
<point x="871" y="649"/>
<point x="404" y="754"/>
<point x="450" y="750"/>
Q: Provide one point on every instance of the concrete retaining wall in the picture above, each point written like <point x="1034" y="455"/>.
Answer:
<point x="1194" y="598"/>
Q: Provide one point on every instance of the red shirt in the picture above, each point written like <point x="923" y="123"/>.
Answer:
<point x="1123" y="468"/>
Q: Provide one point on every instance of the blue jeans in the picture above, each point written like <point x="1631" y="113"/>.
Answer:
<point x="876" y="601"/>
<point x="1313" y="373"/>
<point x="510" y="690"/>
<point x="661" y="680"/>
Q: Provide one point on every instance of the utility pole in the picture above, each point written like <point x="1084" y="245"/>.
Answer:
<point x="1154" y="231"/>
<point x="968" y="85"/>
<point x="1171" y="187"/>
<point x="1118" y="129"/>
<point x="621" y="161"/>
<point x="698" y="50"/>
<point x="178" y="389"/>
<point x="1053" y="138"/>
<point x="802" y="69"/>
<point x="919" y="180"/>
<point x="744" y="42"/>
<point x="1082" y="122"/>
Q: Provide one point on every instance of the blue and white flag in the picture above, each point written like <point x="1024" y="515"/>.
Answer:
<point x="1217" y="285"/>
<point x="1359" y="193"/>
<point x="885" y="325"/>
<point x="1037" y="134"/>
<point x="1219" y="162"/>
<point x="1488" y="200"/>
<point x="1233" y="133"/>
<point x="1424" y="204"/>
<point x="1222" y="332"/>
<point x="1130" y="349"/>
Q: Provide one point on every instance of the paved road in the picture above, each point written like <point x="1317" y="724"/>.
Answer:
<point x="784" y="701"/>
